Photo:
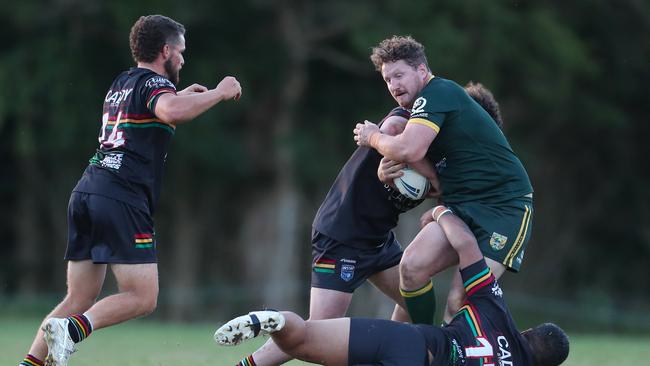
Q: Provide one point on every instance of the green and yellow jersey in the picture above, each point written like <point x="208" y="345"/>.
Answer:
<point x="474" y="160"/>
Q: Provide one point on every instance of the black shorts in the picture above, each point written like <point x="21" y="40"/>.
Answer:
<point x="385" y="342"/>
<point x="340" y="267"/>
<point x="108" y="231"/>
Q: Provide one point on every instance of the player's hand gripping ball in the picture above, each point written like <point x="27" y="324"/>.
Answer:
<point x="412" y="184"/>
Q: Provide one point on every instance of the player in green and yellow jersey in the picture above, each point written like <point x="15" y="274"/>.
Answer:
<point x="482" y="180"/>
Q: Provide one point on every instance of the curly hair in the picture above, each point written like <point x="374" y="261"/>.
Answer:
<point x="398" y="48"/>
<point x="484" y="97"/>
<point x="150" y="33"/>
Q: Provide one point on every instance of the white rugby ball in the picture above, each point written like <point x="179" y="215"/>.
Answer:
<point x="412" y="184"/>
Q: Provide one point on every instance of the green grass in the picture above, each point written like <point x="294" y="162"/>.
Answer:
<point x="148" y="343"/>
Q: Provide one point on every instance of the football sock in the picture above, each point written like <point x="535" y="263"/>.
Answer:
<point x="420" y="303"/>
<point x="31" y="361"/>
<point x="247" y="361"/>
<point x="79" y="327"/>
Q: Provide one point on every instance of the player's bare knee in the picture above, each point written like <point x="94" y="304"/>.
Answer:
<point x="148" y="304"/>
<point x="78" y="302"/>
<point x="411" y="271"/>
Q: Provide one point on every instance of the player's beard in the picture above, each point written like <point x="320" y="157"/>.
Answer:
<point x="172" y="74"/>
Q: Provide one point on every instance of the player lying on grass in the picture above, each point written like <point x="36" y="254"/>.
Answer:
<point x="481" y="333"/>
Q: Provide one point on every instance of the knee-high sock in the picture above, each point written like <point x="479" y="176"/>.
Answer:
<point x="421" y="303"/>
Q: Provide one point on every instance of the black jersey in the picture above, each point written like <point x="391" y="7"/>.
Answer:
<point x="482" y="332"/>
<point x="359" y="210"/>
<point x="133" y="142"/>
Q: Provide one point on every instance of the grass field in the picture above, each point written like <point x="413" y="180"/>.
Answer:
<point x="147" y="343"/>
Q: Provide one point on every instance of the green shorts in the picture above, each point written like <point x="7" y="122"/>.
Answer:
<point x="502" y="230"/>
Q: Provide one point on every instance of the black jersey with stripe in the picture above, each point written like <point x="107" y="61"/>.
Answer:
<point x="358" y="209"/>
<point x="482" y="332"/>
<point x="133" y="142"/>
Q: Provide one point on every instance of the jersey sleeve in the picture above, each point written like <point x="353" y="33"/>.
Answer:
<point x="433" y="105"/>
<point x="153" y="88"/>
<point x="479" y="282"/>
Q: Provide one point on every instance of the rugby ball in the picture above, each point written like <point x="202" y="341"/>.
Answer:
<point x="412" y="184"/>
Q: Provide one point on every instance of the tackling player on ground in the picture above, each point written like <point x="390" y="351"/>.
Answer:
<point x="110" y="214"/>
<point x="481" y="333"/>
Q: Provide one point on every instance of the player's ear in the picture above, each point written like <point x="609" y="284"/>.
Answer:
<point x="423" y="70"/>
<point x="166" y="51"/>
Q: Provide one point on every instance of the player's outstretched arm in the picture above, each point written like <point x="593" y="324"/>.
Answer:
<point x="459" y="235"/>
<point x="189" y="104"/>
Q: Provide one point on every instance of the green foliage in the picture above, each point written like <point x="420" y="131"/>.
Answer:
<point x="570" y="78"/>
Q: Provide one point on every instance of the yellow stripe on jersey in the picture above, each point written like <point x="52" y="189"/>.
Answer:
<point x="425" y="122"/>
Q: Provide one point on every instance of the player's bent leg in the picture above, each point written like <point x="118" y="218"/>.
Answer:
<point x="85" y="280"/>
<point x="323" y="304"/>
<point x="138" y="294"/>
<point x="322" y="342"/>
<point x="387" y="281"/>
<point x="456" y="297"/>
<point x="317" y="341"/>
<point x="428" y="254"/>
<point x="328" y="304"/>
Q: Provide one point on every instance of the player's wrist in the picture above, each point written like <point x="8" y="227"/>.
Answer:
<point x="439" y="211"/>
<point x="374" y="139"/>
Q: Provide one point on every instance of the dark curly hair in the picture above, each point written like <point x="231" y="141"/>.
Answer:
<point x="399" y="48"/>
<point x="150" y="33"/>
<point x="548" y="343"/>
<point x="484" y="97"/>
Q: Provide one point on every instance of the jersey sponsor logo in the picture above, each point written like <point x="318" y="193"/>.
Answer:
<point x="496" y="290"/>
<point x="345" y="260"/>
<point x="112" y="161"/>
<point x="157" y="82"/>
<point x="441" y="165"/>
<point x="347" y="272"/>
<point x="498" y="241"/>
<point x="118" y="96"/>
<point x="418" y="106"/>
<point x="457" y="356"/>
<point x="505" y="356"/>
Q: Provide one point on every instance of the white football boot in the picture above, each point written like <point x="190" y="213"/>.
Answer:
<point x="59" y="344"/>
<point x="249" y="326"/>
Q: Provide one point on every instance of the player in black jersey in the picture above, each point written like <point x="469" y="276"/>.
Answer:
<point x="352" y="240"/>
<point x="111" y="208"/>
<point x="481" y="333"/>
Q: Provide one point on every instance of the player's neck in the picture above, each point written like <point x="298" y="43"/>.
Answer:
<point x="156" y="67"/>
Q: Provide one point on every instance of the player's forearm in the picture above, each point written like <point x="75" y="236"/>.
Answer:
<point x="395" y="148"/>
<point x="425" y="168"/>
<point x="459" y="235"/>
<point x="184" y="108"/>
